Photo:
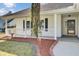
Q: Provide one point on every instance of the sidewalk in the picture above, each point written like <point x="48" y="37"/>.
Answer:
<point x="67" y="47"/>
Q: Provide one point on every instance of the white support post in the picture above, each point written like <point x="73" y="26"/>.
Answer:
<point x="25" y="29"/>
<point x="55" y="26"/>
<point x="6" y="31"/>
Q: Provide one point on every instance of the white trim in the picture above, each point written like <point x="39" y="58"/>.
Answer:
<point x="55" y="26"/>
<point x="25" y="28"/>
<point x="6" y="30"/>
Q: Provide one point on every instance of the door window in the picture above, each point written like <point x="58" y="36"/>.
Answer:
<point x="71" y="26"/>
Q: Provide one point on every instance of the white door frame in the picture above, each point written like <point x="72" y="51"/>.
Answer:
<point x="64" y="26"/>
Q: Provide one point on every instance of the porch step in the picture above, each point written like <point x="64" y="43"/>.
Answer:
<point x="69" y="36"/>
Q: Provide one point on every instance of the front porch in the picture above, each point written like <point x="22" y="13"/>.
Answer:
<point x="61" y="25"/>
<point x="66" y="24"/>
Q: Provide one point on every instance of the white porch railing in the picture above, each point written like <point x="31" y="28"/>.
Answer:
<point x="27" y="33"/>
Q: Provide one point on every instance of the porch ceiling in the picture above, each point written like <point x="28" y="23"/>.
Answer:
<point x="73" y="13"/>
<point x="62" y="11"/>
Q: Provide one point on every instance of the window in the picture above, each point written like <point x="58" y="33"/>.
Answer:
<point x="42" y="24"/>
<point x="27" y="24"/>
<point x="46" y="24"/>
<point x="23" y="24"/>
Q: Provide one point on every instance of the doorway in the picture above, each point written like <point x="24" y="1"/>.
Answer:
<point x="71" y="27"/>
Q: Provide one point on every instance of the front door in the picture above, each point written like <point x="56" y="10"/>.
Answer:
<point x="71" y="27"/>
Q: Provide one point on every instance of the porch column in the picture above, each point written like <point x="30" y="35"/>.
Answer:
<point x="55" y="26"/>
<point x="6" y="32"/>
<point x="25" y="29"/>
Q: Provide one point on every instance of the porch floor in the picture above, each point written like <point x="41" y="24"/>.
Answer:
<point x="68" y="46"/>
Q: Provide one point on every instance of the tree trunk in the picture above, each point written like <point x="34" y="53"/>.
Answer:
<point x="35" y="11"/>
<point x="43" y="45"/>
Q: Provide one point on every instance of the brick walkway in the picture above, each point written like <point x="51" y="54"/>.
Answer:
<point x="44" y="46"/>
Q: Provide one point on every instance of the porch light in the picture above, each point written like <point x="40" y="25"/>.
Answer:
<point x="69" y="15"/>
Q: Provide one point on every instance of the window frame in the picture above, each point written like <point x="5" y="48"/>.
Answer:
<point x="28" y="25"/>
<point x="23" y="24"/>
<point x="46" y="24"/>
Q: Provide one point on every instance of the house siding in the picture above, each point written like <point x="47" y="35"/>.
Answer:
<point x="24" y="33"/>
<point x="27" y="32"/>
<point x="50" y="31"/>
<point x="19" y="27"/>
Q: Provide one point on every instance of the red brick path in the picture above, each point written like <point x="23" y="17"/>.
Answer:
<point x="45" y="46"/>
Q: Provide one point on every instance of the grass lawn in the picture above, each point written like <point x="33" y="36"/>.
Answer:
<point x="13" y="48"/>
